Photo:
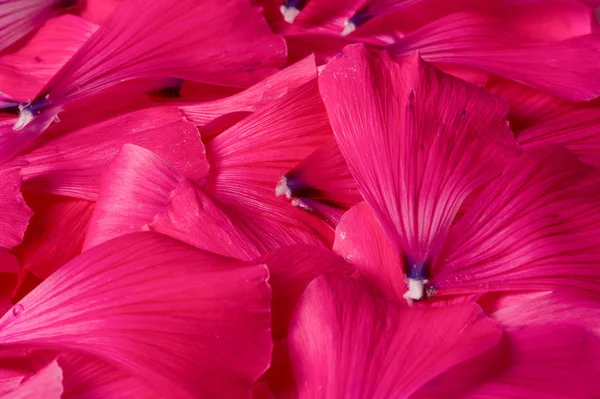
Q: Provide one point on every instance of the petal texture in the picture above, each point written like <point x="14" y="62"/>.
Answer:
<point x="534" y="228"/>
<point x="185" y="322"/>
<point x="347" y="343"/>
<point x="412" y="139"/>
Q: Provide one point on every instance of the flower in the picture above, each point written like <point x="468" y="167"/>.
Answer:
<point x="439" y="157"/>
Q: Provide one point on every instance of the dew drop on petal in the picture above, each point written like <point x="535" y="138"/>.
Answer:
<point x="18" y="309"/>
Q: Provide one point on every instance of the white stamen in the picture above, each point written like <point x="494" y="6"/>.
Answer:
<point x="349" y="27"/>
<point x="289" y="13"/>
<point x="25" y="118"/>
<point x="415" y="291"/>
<point x="283" y="189"/>
<point x="297" y="202"/>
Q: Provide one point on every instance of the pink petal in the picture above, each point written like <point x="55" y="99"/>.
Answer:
<point x="532" y="361"/>
<point x="249" y="159"/>
<point x="544" y="66"/>
<point x="527" y="105"/>
<point x="322" y="176"/>
<point x="255" y="97"/>
<point x="55" y="235"/>
<point x="291" y="269"/>
<point x="414" y="160"/>
<point x="87" y="377"/>
<point x="24" y="72"/>
<point x="12" y="142"/>
<point x="14" y="212"/>
<point x="534" y="228"/>
<point x="361" y="241"/>
<point x="183" y="321"/>
<point x="550" y="308"/>
<point x="140" y="191"/>
<point x="530" y="19"/>
<point x="20" y="17"/>
<point x="45" y="383"/>
<point x="346" y="342"/>
<point x="219" y="42"/>
<point x="576" y="129"/>
<point x="192" y="216"/>
<point x="134" y="189"/>
<point x="98" y="11"/>
<point x="72" y="163"/>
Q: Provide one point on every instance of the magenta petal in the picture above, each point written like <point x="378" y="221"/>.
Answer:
<point x="576" y="129"/>
<point x="140" y="191"/>
<point x="323" y="176"/>
<point x="14" y="212"/>
<point x="549" y="308"/>
<point x="361" y="241"/>
<point x="291" y="269"/>
<point x="24" y="72"/>
<point x="20" y="17"/>
<point x="219" y="42"/>
<point x="55" y="234"/>
<point x="345" y="342"/>
<point x="73" y="163"/>
<point x="134" y="189"/>
<point x="415" y="160"/>
<point x="528" y="106"/>
<point x="481" y="42"/>
<point x="14" y="141"/>
<point x="87" y="377"/>
<point x="533" y="228"/>
<point x="183" y="321"/>
<point x="255" y="97"/>
<point x="248" y="159"/>
<point x="533" y="361"/>
<point x="45" y="383"/>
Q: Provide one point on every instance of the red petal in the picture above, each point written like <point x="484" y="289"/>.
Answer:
<point x="14" y="213"/>
<point x="183" y="321"/>
<point x="345" y="342"/>
<point x="72" y="163"/>
<point x="55" y="235"/>
<point x="534" y="228"/>
<point x="9" y="267"/>
<point x="414" y="160"/>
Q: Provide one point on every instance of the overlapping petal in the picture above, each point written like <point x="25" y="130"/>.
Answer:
<point x="198" y="40"/>
<point x="412" y="138"/>
<point x="400" y="348"/>
<point x="185" y="322"/>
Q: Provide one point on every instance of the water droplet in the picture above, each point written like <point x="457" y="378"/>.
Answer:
<point x="343" y="235"/>
<point x="348" y="256"/>
<point x="18" y="309"/>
